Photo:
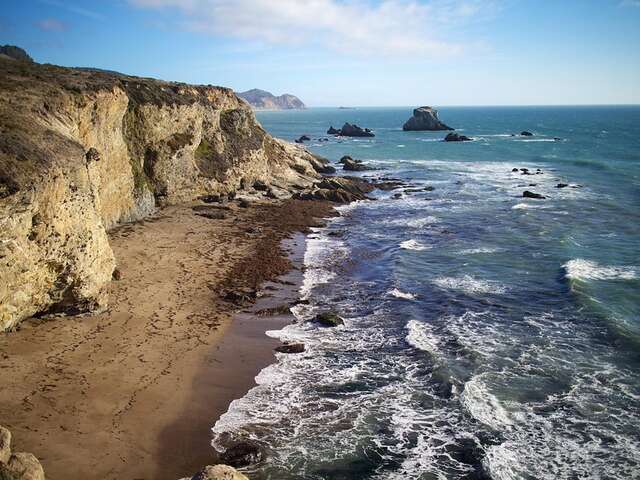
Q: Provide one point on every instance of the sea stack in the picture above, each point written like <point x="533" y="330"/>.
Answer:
<point x="425" y="118"/>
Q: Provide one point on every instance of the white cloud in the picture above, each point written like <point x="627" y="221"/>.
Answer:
<point x="393" y="27"/>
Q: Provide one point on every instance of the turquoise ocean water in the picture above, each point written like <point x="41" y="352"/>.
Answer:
<point x="486" y="335"/>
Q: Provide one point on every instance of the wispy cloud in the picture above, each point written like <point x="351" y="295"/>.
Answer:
<point x="69" y="7"/>
<point x="630" y="3"/>
<point x="51" y="25"/>
<point x="392" y="27"/>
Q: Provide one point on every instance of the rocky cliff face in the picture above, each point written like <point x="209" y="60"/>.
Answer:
<point x="262" y="100"/>
<point x="81" y="151"/>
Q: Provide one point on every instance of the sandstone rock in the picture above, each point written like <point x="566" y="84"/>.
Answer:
<point x="355" y="166"/>
<point x="127" y="146"/>
<point x="425" y="118"/>
<point x="5" y="444"/>
<point x="456" y="137"/>
<point x="24" y="466"/>
<point x="328" y="319"/>
<point x="528" y="194"/>
<point x="219" y="472"/>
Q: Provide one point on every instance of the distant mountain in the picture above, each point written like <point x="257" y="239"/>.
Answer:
<point x="261" y="100"/>
<point x="14" y="52"/>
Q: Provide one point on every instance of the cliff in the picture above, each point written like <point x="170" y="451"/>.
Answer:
<point x="262" y="100"/>
<point x="82" y="151"/>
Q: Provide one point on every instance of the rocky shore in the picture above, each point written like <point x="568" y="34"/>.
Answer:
<point x="138" y="216"/>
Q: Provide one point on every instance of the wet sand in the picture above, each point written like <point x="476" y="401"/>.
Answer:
<point x="131" y="393"/>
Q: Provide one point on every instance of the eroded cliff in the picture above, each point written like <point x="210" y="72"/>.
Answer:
<point x="81" y="151"/>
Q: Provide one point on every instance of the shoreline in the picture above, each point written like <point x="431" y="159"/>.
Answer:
<point x="133" y="392"/>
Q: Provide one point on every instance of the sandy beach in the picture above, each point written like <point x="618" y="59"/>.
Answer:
<point x="132" y="392"/>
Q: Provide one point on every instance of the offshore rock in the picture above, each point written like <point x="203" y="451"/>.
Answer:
<point x="82" y="151"/>
<point x="353" y="130"/>
<point x="424" y="118"/>
<point x="456" y="137"/>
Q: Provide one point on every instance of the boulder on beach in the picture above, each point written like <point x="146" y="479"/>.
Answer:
<point x="329" y="319"/>
<point x="456" y="137"/>
<point x="425" y="119"/>
<point x="528" y="194"/>
<point x="218" y="472"/>
<point x="17" y="465"/>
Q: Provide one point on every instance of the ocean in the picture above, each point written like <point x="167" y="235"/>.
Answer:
<point x="486" y="335"/>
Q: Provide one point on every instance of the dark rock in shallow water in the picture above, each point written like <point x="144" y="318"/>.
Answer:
<point x="429" y="188"/>
<point x="333" y="131"/>
<point x="456" y="137"/>
<point x="302" y="139"/>
<point x="514" y="169"/>
<point x="526" y="134"/>
<point x="351" y="130"/>
<point x="397" y="196"/>
<point x="425" y="119"/>
<point x="354" y="166"/>
<point x="345" y="159"/>
<point x="528" y="194"/>
<point x="562" y="185"/>
<point x="243" y="454"/>
<point x="290" y="348"/>
<point x="329" y="319"/>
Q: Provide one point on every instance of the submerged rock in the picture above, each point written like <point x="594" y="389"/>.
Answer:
<point x="456" y="137"/>
<point x="562" y="185"/>
<point x="528" y="194"/>
<point x="524" y="133"/>
<point x="425" y="119"/>
<point x="244" y="454"/>
<point x="290" y="348"/>
<point x="329" y="319"/>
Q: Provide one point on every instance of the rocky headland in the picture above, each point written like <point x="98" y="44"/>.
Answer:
<point x="263" y="100"/>
<point x="425" y="118"/>
<point x="137" y="216"/>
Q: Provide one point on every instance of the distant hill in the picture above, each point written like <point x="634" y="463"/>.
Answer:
<point x="14" y="52"/>
<point x="262" y="100"/>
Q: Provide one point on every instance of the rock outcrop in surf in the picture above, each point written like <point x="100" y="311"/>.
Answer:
<point x="425" y="118"/>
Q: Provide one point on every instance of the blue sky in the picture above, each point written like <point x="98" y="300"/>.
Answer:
<point x="352" y="52"/>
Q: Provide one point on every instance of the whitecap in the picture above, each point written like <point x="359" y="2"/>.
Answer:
<point x="400" y="294"/>
<point x="420" y="336"/>
<point x="525" y="206"/>
<point x="473" y="251"/>
<point x="400" y="146"/>
<point x="580" y="269"/>
<point x="422" y="222"/>
<point x="483" y="405"/>
<point x="413" y="245"/>
<point x="468" y="284"/>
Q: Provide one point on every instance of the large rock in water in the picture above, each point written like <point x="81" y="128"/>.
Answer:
<point x="82" y="151"/>
<point x="351" y="130"/>
<point x="425" y="118"/>
<point x="456" y="137"/>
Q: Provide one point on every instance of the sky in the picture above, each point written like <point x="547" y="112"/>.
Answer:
<point x="352" y="52"/>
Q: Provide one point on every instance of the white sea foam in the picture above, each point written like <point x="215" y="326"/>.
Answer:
<point x="421" y="336"/>
<point x="580" y="269"/>
<point x="400" y="294"/>
<point x="468" y="284"/>
<point x="525" y="206"/>
<point x="473" y="251"/>
<point x="413" y="245"/>
<point x="533" y="140"/>
<point x="422" y="222"/>
<point x="400" y="146"/>
<point x="483" y="405"/>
